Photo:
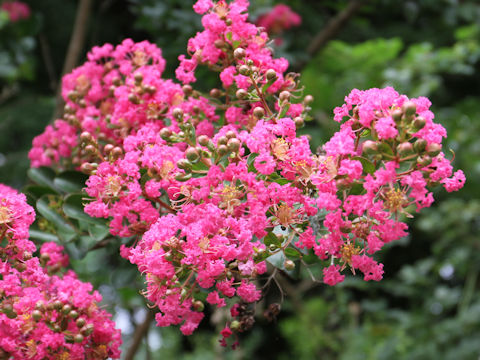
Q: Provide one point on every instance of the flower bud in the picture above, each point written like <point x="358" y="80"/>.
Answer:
<point x="73" y="314"/>
<point x="420" y="145"/>
<point x="244" y="70"/>
<point x="239" y="53"/>
<point x="66" y="309"/>
<point x="78" y="338"/>
<point x="241" y="94"/>
<point x="198" y="306"/>
<point x="37" y="315"/>
<point x="419" y="123"/>
<point x="133" y="99"/>
<point x="299" y="122"/>
<point x="424" y="160"/>
<point x="258" y="112"/>
<point x="405" y="149"/>
<point x="80" y="322"/>
<point x="233" y="145"/>
<point x="215" y="93"/>
<point x="271" y="74"/>
<point x="90" y="149"/>
<point x="289" y="265"/>
<point x="222" y="140"/>
<point x="108" y="148"/>
<point x="165" y="133"/>
<point x="219" y="43"/>
<point x="184" y="164"/>
<point x="397" y="115"/>
<point x="177" y="113"/>
<point x="235" y="325"/>
<point x="192" y="154"/>
<point x="433" y="149"/>
<point x="222" y="150"/>
<point x="230" y="134"/>
<point x="87" y="330"/>
<point x="369" y="147"/>
<point x="151" y="89"/>
<point x="187" y="89"/>
<point x="284" y="96"/>
<point x="308" y="99"/>
<point x="117" y="152"/>
<point x="409" y="108"/>
<point x="86" y="137"/>
<point x="58" y="305"/>
<point x="183" y="177"/>
<point x="203" y="140"/>
<point x="138" y="77"/>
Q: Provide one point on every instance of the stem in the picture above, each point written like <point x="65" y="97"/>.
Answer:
<point x="138" y="335"/>
<point x="262" y="98"/>
<point x="75" y="47"/>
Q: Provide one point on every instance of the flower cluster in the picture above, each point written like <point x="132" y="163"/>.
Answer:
<point x="212" y="187"/>
<point x="45" y="316"/>
<point x="16" y="10"/>
<point x="281" y="17"/>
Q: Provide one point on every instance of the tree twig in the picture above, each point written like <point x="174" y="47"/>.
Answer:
<point x="47" y="59"/>
<point x="331" y="29"/>
<point x="138" y="335"/>
<point x="75" y="47"/>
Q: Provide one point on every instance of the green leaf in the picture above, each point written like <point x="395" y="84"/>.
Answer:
<point x="292" y="253"/>
<point x="42" y="236"/>
<point x="284" y="111"/>
<point x="367" y="165"/>
<point x="70" y="181"/>
<point x="250" y="162"/>
<point x="42" y="176"/>
<point x="272" y="239"/>
<point x="65" y="231"/>
<point x="37" y="191"/>
<point x="98" y="232"/>
<point x="73" y="207"/>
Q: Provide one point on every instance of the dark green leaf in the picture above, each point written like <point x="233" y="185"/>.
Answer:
<point x="42" y="176"/>
<point x="70" y="181"/>
<point x="73" y="207"/>
<point x="292" y="253"/>
<point x="64" y="230"/>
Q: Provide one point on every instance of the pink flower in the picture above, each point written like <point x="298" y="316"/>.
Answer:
<point x="332" y="276"/>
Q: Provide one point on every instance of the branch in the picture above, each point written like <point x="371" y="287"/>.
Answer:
<point x="138" y="335"/>
<point x="75" y="47"/>
<point x="331" y="30"/>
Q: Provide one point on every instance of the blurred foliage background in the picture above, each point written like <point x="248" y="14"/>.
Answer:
<point x="428" y="305"/>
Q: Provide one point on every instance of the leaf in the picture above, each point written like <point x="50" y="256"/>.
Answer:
<point x="37" y="191"/>
<point x="70" y="181"/>
<point x="284" y="111"/>
<point x="42" y="176"/>
<point x="292" y="253"/>
<point x="272" y="239"/>
<point x="73" y="207"/>
<point x="65" y="231"/>
<point x="250" y="162"/>
<point x="367" y="165"/>
<point x="98" y="232"/>
<point x="43" y="236"/>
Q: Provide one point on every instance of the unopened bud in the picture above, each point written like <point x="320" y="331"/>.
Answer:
<point x="184" y="164"/>
<point x="244" y="70"/>
<point x="108" y="148"/>
<point x="58" y="305"/>
<point x="73" y="314"/>
<point x="397" y="115"/>
<point x="239" y="53"/>
<point x="299" y="122"/>
<point x="192" y="154"/>
<point x="284" y="96"/>
<point x="37" y="315"/>
<point x="308" y="99"/>
<point x="87" y="330"/>
<point x="198" y="306"/>
<point x="222" y="140"/>
<point x="219" y="43"/>
<point x="183" y="177"/>
<point x="138" y="77"/>
<point x="86" y="137"/>
<point x="177" y="113"/>
<point x="80" y="322"/>
<point x="405" y="149"/>
<point x="369" y="147"/>
<point x="271" y="74"/>
<point x="165" y="133"/>
<point x="222" y="150"/>
<point x="433" y="149"/>
<point x="90" y="149"/>
<point x="258" y="112"/>
<point x="133" y="99"/>
<point x="78" y="338"/>
<point x="409" y="108"/>
<point x="215" y="93"/>
<point x="117" y="152"/>
<point x="420" y="145"/>
<point x="66" y="309"/>
<point x="419" y="122"/>
<point x="187" y="89"/>
<point x="424" y="160"/>
<point x="235" y="325"/>
<point x="233" y="145"/>
<point x="203" y="140"/>
<point x="241" y="94"/>
<point x="289" y="265"/>
<point x="230" y="134"/>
